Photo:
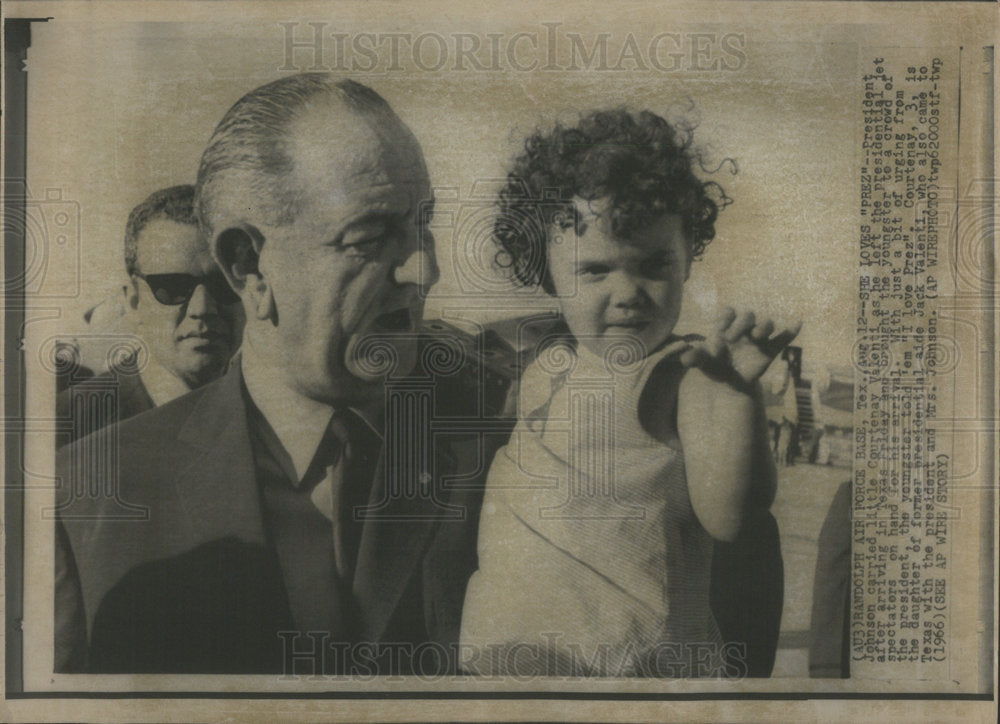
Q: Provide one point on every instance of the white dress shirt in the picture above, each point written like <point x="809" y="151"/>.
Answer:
<point x="161" y="384"/>
<point x="298" y="422"/>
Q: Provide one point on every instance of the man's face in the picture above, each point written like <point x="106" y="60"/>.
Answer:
<point x="610" y="288"/>
<point x="353" y="266"/>
<point x="194" y="338"/>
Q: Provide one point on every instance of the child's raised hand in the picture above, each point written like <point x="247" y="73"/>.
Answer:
<point x="738" y="349"/>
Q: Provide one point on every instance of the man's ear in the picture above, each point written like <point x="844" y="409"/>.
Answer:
<point x="130" y="295"/>
<point x="237" y="251"/>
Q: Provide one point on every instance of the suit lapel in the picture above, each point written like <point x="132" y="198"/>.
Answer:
<point x="221" y="499"/>
<point x="134" y="397"/>
<point x="395" y="538"/>
<point x="218" y="484"/>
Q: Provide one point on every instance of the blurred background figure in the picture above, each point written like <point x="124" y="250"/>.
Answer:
<point x="785" y="442"/>
<point x="829" y="626"/>
<point x="185" y="319"/>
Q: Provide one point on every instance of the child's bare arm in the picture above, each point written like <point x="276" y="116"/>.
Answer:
<point x="721" y="422"/>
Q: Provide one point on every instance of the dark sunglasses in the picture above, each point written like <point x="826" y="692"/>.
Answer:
<point x="174" y="289"/>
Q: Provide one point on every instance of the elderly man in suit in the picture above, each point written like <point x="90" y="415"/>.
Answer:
<point x="188" y="317"/>
<point x="292" y="515"/>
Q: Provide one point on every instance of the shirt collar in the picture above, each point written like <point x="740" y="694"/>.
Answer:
<point x="298" y="422"/>
<point x="161" y="384"/>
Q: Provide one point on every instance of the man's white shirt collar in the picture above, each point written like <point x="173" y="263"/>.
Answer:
<point x="299" y="422"/>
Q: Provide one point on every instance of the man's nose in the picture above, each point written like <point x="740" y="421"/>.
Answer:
<point x="202" y="303"/>
<point x="419" y="267"/>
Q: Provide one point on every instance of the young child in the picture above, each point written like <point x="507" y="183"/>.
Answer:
<point x="634" y="448"/>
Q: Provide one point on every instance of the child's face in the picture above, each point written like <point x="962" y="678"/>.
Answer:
<point x="609" y="288"/>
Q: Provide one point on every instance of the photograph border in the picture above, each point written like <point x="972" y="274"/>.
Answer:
<point x="17" y="39"/>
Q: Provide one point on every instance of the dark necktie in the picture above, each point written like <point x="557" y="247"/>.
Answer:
<point x="353" y="449"/>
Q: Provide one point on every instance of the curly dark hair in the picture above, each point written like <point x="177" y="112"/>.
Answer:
<point x="641" y="163"/>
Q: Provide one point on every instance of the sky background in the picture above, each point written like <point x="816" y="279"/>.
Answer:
<point x="120" y="109"/>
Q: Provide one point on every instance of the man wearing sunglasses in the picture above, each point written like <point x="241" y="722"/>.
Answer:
<point x="181" y="306"/>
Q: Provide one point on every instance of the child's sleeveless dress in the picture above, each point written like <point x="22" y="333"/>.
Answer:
<point x="591" y="559"/>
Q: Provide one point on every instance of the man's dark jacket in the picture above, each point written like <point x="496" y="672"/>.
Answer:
<point x="172" y="571"/>
<point x="100" y="401"/>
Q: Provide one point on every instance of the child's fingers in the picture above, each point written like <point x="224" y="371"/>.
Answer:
<point x="725" y="318"/>
<point x="742" y="324"/>
<point x="715" y="346"/>
<point x="762" y="331"/>
<point x="783" y="338"/>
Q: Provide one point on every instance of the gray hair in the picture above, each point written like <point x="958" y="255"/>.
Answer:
<point x="250" y="144"/>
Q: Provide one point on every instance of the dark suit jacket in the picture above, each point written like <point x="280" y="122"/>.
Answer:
<point x="172" y="571"/>
<point x="101" y="401"/>
<point x="748" y="594"/>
